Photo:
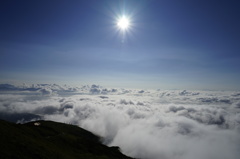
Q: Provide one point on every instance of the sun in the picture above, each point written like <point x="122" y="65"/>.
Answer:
<point x="123" y="23"/>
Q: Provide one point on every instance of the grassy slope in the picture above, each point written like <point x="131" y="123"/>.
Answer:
<point x="51" y="140"/>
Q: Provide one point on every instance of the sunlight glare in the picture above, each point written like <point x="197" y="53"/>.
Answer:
<point x="123" y="23"/>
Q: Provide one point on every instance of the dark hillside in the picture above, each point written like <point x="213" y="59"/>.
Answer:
<point x="51" y="140"/>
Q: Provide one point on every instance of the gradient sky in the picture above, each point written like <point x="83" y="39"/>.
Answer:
<point x="172" y="44"/>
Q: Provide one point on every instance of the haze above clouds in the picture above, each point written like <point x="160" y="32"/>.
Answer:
<point x="154" y="124"/>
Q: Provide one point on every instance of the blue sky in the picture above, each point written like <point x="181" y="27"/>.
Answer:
<point x="171" y="44"/>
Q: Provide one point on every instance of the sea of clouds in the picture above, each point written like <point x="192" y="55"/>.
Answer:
<point x="147" y="124"/>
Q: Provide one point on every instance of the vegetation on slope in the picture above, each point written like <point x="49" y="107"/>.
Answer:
<point x="52" y="140"/>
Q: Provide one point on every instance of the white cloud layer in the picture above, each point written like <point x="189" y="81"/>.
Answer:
<point x="165" y="124"/>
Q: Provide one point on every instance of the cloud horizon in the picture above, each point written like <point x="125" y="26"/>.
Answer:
<point x="167" y="124"/>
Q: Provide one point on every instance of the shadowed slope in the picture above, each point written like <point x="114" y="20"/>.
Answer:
<point x="51" y="140"/>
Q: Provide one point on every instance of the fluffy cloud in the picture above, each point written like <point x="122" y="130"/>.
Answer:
<point x="150" y="124"/>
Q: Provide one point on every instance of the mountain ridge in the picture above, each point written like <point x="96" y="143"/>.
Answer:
<point x="47" y="139"/>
